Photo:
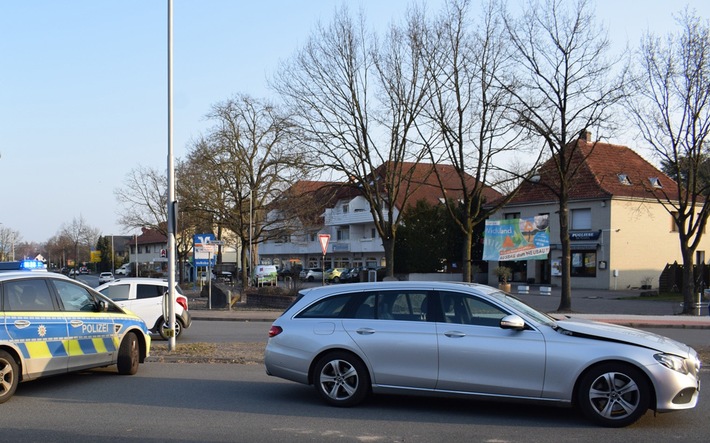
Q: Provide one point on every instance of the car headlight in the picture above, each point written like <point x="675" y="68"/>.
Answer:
<point x="673" y="362"/>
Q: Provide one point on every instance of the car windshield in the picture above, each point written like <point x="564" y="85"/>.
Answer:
<point x="523" y="308"/>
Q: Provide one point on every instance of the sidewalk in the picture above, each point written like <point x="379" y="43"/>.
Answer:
<point x="624" y="307"/>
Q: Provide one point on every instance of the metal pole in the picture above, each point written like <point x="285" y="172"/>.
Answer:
<point x="251" y="205"/>
<point x="171" y="189"/>
<point x="136" y="255"/>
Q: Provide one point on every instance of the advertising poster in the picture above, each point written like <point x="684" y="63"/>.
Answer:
<point x="517" y="239"/>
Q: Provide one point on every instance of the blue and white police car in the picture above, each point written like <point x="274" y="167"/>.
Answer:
<point x="51" y="324"/>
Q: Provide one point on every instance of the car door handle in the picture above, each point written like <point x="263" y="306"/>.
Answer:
<point x="21" y="323"/>
<point x="454" y="334"/>
<point x="365" y="331"/>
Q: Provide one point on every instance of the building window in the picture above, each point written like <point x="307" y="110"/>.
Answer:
<point x="346" y="208"/>
<point x="624" y="179"/>
<point x="343" y="234"/>
<point x="655" y="182"/>
<point x="512" y="215"/>
<point x="373" y="233"/>
<point x="581" y="219"/>
<point x="584" y="264"/>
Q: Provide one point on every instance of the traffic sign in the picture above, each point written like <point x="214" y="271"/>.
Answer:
<point x="324" y="239"/>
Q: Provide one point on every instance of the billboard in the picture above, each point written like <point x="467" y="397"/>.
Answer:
<point x="526" y="238"/>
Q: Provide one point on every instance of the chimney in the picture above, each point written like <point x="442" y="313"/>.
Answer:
<point x="585" y="135"/>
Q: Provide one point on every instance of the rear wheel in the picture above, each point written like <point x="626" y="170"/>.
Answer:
<point x="9" y="376"/>
<point x="164" y="325"/>
<point x="128" y="355"/>
<point x="341" y="379"/>
<point x="614" y="395"/>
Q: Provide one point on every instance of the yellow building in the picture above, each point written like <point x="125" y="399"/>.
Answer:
<point x="621" y="236"/>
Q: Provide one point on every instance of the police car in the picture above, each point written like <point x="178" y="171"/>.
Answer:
<point x="51" y="324"/>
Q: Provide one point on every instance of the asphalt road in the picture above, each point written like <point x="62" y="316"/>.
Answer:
<point x="240" y="403"/>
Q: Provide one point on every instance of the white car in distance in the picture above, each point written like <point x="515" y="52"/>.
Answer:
<point x="105" y="277"/>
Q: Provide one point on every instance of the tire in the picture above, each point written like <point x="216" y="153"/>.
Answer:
<point x="164" y="324"/>
<point x="341" y="379"/>
<point x="128" y="355"/>
<point x="336" y="280"/>
<point x="9" y="376"/>
<point x="613" y="395"/>
<point x="310" y="278"/>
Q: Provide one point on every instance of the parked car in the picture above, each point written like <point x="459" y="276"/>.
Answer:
<point x="312" y="274"/>
<point x="287" y="272"/>
<point x="352" y="275"/>
<point x="124" y="270"/>
<point x="145" y="296"/>
<point x="105" y="277"/>
<point x="334" y="274"/>
<point x="54" y="325"/>
<point x="474" y="341"/>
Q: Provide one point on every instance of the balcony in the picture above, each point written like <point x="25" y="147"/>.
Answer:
<point x="333" y="218"/>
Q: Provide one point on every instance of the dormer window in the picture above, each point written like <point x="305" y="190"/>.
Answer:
<point x="655" y="182"/>
<point x="624" y="179"/>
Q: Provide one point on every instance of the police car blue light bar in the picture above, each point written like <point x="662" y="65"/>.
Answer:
<point x="23" y="265"/>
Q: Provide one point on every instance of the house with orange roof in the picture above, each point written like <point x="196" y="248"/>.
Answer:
<point x="342" y="212"/>
<point x="621" y="236"/>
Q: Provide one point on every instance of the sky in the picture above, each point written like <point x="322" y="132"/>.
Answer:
<point x="83" y="87"/>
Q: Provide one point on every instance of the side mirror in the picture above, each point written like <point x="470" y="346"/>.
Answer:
<point x="512" y="322"/>
<point x="101" y="306"/>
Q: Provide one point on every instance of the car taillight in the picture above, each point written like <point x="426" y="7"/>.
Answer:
<point x="182" y="301"/>
<point x="275" y="330"/>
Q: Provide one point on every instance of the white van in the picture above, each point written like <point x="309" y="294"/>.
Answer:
<point x="264" y="275"/>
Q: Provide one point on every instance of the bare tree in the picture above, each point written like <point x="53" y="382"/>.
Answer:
<point x="9" y="239"/>
<point x="57" y="248"/>
<point x="356" y="101"/>
<point x="82" y="237"/>
<point x="469" y="112"/>
<point x="671" y="108"/>
<point x="249" y="157"/>
<point x="144" y="200"/>
<point x="562" y="86"/>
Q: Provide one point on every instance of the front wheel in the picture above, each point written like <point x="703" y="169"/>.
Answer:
<point x="614" y="395"/>
<point x="9" y="376"/>
<point x="164" y="325"/>
<point x="341" y="379"/>
<point x="128" y="355"/>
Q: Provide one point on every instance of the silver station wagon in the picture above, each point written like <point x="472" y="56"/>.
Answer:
<point x="455" y="339"/>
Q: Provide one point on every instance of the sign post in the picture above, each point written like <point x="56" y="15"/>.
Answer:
<point x="324" y="239"/>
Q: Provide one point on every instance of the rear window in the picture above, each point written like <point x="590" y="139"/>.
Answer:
<point x="27" y="295"/>
<point x="117" y="292"/>
<point x="150" y="291"/>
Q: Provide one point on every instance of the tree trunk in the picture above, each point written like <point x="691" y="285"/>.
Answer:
<point x="388" y="244"/>
<point x="566" y="293"/>
<point x="688" y="280"/>
<point x="466" y="254"/>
